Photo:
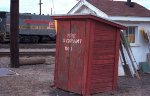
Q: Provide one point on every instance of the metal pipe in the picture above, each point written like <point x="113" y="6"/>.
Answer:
<point x="128" y="2"/>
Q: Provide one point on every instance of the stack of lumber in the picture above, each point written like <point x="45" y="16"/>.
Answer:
<point x="31" y="60"/>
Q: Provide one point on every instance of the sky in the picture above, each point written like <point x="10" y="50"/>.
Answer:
<point x="58" y="6"/>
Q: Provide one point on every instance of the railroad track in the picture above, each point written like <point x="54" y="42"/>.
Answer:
<point x="29" y="49"/>
<point x="51" y="53"/>
<point x="30" y="46"/>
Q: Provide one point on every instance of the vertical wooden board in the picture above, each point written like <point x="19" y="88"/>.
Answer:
<point x="76" y="56"/>
<point x="90" y="57"/>
<point x="85" y="86"/>
<point x="116" y="59"/>
<point x="56" y="57"/>
<point x="96" y="68"/>
<point x="63" y="56"/>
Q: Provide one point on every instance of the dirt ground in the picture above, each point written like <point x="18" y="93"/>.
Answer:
<point x="36" y="80"/>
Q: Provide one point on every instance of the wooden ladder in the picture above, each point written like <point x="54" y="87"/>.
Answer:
<point x="129" y="52"/>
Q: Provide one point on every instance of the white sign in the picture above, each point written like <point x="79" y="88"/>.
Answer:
<point x="71" y="38"/>
<point x="74" y="41"/>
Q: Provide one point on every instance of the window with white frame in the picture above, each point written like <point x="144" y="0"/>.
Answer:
<point x="130" y="34"/>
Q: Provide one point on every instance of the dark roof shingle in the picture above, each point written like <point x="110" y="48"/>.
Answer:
<point x="120" y="8"/>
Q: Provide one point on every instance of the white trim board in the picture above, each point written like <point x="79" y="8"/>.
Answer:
<point x="129" y="18"/>
<point x="90" y="6"/>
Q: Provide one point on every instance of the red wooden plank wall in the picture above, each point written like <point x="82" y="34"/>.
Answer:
<point x="70" y="55"/>
<point x="61" y="80"/>
<point x="77" y="56"/>
<point x="103" y="60"/>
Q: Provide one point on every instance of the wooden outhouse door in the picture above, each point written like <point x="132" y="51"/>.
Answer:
<point x="70" y="55"/>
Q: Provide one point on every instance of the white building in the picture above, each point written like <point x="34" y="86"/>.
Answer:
<point x="130" y="14"/>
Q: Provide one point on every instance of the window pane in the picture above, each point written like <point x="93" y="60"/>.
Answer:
<point x="130" y="34"/>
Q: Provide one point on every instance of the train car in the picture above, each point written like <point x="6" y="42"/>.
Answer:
<point x="32" y="28"/>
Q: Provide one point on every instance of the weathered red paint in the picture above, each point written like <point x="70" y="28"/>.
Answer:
<point x="86" y="54"/>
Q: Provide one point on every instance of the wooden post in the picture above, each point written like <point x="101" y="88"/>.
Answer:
<point x="14" y="35"/>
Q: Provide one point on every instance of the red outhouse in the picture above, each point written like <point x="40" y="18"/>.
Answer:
<point x="87" y="50"/>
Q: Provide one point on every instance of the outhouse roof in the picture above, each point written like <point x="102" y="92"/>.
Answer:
<point x="89" y="16"/>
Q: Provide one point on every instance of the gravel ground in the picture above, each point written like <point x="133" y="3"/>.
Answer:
<point x="33" y="80"/>
<point x="36" y="80"/>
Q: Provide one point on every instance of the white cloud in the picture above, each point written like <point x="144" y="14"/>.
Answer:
<point x="60" y="6"/>
<point x="4" y="5"/>
<point x="28" y="6"/>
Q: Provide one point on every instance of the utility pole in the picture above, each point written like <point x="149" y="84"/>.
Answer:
<point x="14" y="34"/>
<point x="51" y="11"/>
<point x="40" y="4"/>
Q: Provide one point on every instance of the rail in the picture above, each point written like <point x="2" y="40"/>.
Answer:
<point x="51" y="53"/>
<point x="32" y="46"/>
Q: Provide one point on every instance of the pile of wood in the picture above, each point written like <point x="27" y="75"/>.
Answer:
<point x="31" y="60"/>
